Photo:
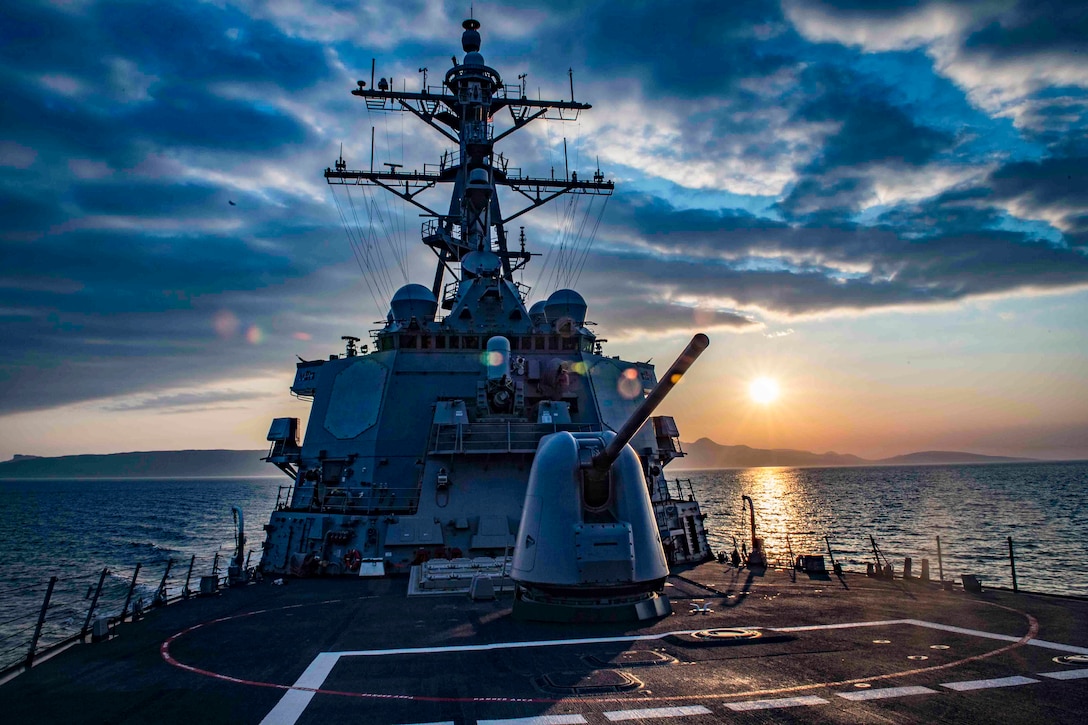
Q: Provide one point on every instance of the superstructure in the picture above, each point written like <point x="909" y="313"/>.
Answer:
<point x="420" y="444"/>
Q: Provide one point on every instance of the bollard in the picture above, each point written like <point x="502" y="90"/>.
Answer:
<point x="908" y="565"/>
<point x="925" y="570"/>
<point x="101" y="630"/>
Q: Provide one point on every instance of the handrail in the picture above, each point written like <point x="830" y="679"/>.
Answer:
<point x="64" y="617"/>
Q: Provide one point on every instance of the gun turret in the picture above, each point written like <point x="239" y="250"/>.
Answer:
<point x="588" y="547"/>
<point x="604" y="460"/>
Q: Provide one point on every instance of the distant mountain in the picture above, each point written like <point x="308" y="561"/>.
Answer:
<point x="705" y="453"/>
<point x="144" y="464"/>
<point x="935" y="457"/>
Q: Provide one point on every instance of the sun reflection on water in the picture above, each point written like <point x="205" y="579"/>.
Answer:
<point x="1043" y="507"/>
<point x="781" y="509"/>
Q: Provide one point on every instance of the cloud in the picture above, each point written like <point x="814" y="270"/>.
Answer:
<point x="775" y="166"/>
<point x="1004" y="54"/>
<point x="930" y="256"/>
<point x="187" y="402"/>
<point x="1052" y="189"/>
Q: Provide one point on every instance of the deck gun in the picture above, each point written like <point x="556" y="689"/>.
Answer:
<point x="588" y="547"/>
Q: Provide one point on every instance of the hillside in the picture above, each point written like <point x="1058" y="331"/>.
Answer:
<point x="937" y="457"/>
<point x="705" y="453"/>
<point x="143" y="464"/>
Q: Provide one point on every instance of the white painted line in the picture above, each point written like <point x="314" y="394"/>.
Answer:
<point x="510" y="645"/>
<point x="987" y="684"/>
<point x="885" y="692"/>
<point x="1065" y="674"/>
<point x="1058" y="646"/>
<point x="961" y="630"/>
<point x="940" y="627"/>
<point x="444" y="722"/>
<point x="652" y="712"/>
<point x="290" y="707"/>
<point x="662" y="635"/>
<point x="1002" y="637"/>
<point x="537" y="720"/>
<point x="775" y="704"/>
<point x="842" y="625"/>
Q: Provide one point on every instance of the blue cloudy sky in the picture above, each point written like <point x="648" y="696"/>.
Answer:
<point x="881" y="205"/>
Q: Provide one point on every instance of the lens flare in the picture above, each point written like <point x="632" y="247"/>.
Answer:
<point x="628" y="385"/>
<point x="226" y="324"/>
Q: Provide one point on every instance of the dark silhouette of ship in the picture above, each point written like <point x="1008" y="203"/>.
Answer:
<point x="476" y="438"/>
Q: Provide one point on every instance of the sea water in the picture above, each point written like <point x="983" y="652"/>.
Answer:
<point x="974" y="509"/>
<point x="76" y="529"/>
<point x="73" y="529"/>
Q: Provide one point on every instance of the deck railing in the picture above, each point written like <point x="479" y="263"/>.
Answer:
<point x="46" y="615"/>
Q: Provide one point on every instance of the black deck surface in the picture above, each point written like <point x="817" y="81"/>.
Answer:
<point x="319" y="651"/>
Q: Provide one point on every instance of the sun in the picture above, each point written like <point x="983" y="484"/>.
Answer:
<point x="763" y="391"/>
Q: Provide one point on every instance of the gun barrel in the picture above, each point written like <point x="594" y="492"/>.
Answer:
<point x="605" y="459"/>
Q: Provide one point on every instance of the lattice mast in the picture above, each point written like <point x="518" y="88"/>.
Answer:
<point x="463" y="109"/>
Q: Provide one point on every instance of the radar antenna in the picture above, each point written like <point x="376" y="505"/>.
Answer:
<point x="463" y="111"/>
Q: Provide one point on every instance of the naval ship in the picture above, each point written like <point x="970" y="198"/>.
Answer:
<point x="478" y="441"/>
<point x="477" y="529"/>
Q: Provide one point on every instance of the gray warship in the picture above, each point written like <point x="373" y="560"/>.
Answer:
<point x="478" y="531"/>
<point x="476" y="441"/>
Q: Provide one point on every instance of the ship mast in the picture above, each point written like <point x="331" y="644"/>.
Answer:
<point x="463" y="109"/>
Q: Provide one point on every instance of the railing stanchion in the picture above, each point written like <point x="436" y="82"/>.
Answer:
<point x="41" y="621"/>
<point x="1012" y="563"/>
<point x="131" y="589"/>
<point x="940" y="559"/>
<point x="160" y="595"/>
<point x="185" y="591"/>
<point x="94" y="602"/>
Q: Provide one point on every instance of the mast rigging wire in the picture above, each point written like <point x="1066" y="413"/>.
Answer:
<point x="356" y="252"/>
